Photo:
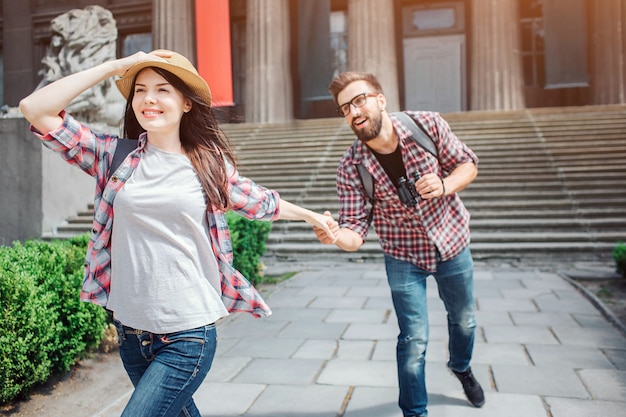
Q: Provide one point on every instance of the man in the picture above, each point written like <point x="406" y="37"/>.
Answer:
<point x="421" y="222"/>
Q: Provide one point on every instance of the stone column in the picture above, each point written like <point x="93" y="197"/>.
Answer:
<point x="607" y="52"/>
<point x="20" y="72"/>
<point x="497" y="81"/>
<point x="174" y="27"/>
<point x="372" y="46"/>
<point x="268" y="87"/>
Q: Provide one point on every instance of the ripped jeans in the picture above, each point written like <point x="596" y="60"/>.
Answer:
<point x="165" y="369"/>
<point x="455" y="281"/>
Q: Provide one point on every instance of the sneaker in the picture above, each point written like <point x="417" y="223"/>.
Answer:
<point x="472" y="388"/>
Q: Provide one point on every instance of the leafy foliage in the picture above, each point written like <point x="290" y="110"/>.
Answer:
<point x="248" y="238"/>
<point x="44" y="326"/>
<point x="619" y="255"/>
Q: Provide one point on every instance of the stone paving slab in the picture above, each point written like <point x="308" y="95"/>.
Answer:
<point x="453" y="404"/>
<point x="359" y="372"/>
<point x="301" y="401"/>
<point x="373" y="402"/>
<point x="279" y="371"/>
<point x="265" y="347"/>
<point x="539" y="380"/>
<point x="604" y="384"/>
<point x="605" y="337"/>
<point x="570" y="407"/>
<point x="542" y="319"/>
<point x="227" y="399"/>
<point x="506" y="305"/>
<point x="574" y="357"/>
<point x="520" y="334"/>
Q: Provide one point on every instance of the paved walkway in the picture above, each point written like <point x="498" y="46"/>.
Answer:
<point x="542" y="350"/>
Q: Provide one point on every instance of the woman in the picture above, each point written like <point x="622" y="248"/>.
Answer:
<point x="164" y="266"/>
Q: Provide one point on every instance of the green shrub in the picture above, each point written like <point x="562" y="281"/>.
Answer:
<point x="619" y="255"/>
<point x="248" y="245"/>
<point x="44" y="326"/>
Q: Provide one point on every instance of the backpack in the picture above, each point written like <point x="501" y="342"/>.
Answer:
<point x="418" y="134"/>
<point x="124" y="147"/>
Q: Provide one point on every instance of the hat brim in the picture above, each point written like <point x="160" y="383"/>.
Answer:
<point x="192" y="80"/>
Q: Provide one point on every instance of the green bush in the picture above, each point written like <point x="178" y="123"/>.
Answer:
<point x="44" y="326"/>
<point x="248" y="245"/>
<point x="619" y="255"/>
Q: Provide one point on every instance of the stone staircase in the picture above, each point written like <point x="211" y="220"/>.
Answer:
<point x="551" y="182"/>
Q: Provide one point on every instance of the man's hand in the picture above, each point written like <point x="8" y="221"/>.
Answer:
<point x="430" y="186"/>
<point x="322" y="235"/>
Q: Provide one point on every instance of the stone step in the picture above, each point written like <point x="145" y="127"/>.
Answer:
<point x="551" y="181"/>
<point x="575" y="251"/>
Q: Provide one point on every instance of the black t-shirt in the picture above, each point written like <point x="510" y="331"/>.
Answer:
<point x="392" y="164"/>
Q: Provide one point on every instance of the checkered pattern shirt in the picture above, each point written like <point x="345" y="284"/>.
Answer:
<point x="435" y="228"/>
<point x="93" y="153"/>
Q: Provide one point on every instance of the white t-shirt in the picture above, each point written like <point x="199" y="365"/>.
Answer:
<point x="164" y="275"/>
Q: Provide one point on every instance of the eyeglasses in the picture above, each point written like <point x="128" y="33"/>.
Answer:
<point x="358" y="101"/>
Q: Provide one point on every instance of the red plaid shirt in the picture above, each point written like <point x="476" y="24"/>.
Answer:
<point x="416" y="234"/>
<point x="93" y="153"/>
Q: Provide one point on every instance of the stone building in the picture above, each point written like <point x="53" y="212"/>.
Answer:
<point x="271" y="60"/>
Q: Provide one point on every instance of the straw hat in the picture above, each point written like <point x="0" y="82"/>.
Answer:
<point x="177" y="65"/>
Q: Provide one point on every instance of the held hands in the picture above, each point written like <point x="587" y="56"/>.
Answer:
<point x="323" y="234"/>
<point x="430" y="186"/>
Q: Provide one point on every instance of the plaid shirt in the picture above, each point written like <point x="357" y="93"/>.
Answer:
<point x="435" y="227"/>
<point x="93" y="153"/>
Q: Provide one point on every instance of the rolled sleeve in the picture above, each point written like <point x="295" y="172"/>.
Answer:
<point x="354" y="209"/>
<point x="251" y="200"/>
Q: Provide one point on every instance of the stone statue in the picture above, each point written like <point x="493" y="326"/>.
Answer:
<point x="81" y="39"/>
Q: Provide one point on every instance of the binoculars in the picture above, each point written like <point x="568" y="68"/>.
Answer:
<point x="406" y="190"/>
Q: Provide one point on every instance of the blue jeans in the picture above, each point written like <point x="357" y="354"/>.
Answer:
<point x="455" y="280"/>
<point x="166" y="369"/>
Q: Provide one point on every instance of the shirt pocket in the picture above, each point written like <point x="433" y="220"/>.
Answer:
<point x="391" y="209"/>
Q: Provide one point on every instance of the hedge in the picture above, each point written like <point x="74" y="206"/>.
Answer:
<point x="45" y="328"/>
<point x="248" y="245"/>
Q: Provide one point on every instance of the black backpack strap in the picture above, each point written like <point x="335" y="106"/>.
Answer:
<point x="366" y="177"/>
<point x="124" y="147"/>
<point x="417" y="132"/>
<point x="367" y="181"/>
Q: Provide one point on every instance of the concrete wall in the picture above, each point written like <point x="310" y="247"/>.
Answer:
<point x="20" y="182"/>
<point x="38" y="189"/>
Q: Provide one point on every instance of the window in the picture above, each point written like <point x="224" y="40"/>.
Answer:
<point x="339" y="41"/>
<point x="433" y="19"/>
<point x="533" y="45"/>
<point x="136" y="42"/>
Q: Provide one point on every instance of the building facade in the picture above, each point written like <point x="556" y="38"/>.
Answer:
<point x="271" y="60"/>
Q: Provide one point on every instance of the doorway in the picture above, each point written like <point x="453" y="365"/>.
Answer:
<point x="434" y="73"/>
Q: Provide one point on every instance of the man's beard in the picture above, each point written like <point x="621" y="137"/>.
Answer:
<point x="365" y="135"/>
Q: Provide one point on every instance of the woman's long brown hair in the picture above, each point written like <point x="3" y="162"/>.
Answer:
<point x="203" y="142"/>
